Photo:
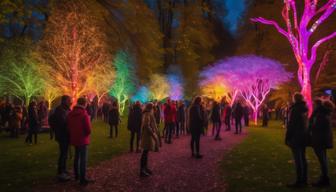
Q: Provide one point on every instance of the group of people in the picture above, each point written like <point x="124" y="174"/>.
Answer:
<point x="315" y="132"/>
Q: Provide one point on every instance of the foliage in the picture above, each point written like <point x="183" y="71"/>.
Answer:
<point x="19" y="72"/>
<point x="159" y="87"/>
<point x="133" y="26"/>
<point x="123" y="85"/>
<point x="299" y="31"/>
<point x="73" y="45"/>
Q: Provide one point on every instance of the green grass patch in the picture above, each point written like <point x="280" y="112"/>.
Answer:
<point x="262" y="162"/>
<point x="23" y="166"/>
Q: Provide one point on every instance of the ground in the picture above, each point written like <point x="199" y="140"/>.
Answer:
<point x="262" y="162"/>
<point x="174" y="169"/>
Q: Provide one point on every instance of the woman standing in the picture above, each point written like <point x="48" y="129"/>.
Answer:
<point x="148" y="138"/>
<point x="33" y="123"/>
<point x="296" y="139"/>
<point x="322" y="137"/>
<point x="196" y="121"/>
<point x="114" y="119"/>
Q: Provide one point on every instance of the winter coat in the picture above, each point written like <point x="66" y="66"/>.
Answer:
<point x="114" y="116"/>
<point x="170" y="113"/>
<point x="33" y="119"/>
<point x="297" y="132"/>
<point x="215" y="113"/>
<point x="135" y="119"/>
<point x="196" y="119"/>
<point x="148" y="131"/>
<point x="79" y="126"/>
<point x="181" y="114"/>
<point x="58" y="122"/>
<point x="321" y="129"/>
<point x="238" y="111"/>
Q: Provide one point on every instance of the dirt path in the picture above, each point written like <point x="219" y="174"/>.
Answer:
<point x="173" y="168"/>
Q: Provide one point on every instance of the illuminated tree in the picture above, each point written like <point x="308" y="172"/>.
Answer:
<point x="214" y="88"/>
<point x="176" y="87"/>
<point x="19" y="72"/>
<point x="159" y="87"/>
<point x="123" y="85"/>
<point x="256" y="77"/>
<point x="100" y="80"/>
<point x="299" y="31"/>
<point x="73" y="45"/>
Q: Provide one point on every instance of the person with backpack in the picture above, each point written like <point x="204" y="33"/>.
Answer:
<point x="57" y="122"/>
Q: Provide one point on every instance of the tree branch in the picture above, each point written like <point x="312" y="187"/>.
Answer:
<point x="270" y="22"/>
<point x="317" y="44"/>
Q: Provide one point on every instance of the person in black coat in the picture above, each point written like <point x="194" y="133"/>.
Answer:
<point x="322" y="137"/>
<point x="216" y="121"/>
<point x="196" y="126"/>
<point x="238" y="115"/>
<point x="296" y="138"/>
<point x="227" y="117"/>
<point x="114" y="119"/>
<point x="57" y="122"/>
<point x="246" y="115"/>
<point x="134" y="125"/>
<point x="33" y="123"/>
<point x="265" y="115"/>
<point x="181" y="117"/>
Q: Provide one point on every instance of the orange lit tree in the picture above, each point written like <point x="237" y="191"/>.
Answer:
<point x="73" y="45"/>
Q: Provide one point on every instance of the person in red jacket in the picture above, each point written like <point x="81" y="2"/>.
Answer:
<point x="170" y="120"/>
<point x="79" y="127"/>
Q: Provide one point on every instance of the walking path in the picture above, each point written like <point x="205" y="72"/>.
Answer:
<point x="173" y="169"/>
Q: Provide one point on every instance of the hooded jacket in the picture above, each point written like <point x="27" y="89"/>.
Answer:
<point x="79" y="126"/>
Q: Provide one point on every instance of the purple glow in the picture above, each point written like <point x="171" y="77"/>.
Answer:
<point x="176" y="87"/>
<point x="299" y="36"/>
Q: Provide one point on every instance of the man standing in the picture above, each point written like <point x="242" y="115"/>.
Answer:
<point x="196" y="123"/>
<point x="134" y="125"/>
<point x="238" y="115"/>
<point x="57" y="122"/>
<point x="79" y="126"/>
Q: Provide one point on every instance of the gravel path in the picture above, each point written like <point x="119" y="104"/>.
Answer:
<point x="173" y="169"/>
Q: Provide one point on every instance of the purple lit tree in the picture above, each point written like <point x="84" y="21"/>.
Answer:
<point x="298" y="32"/>
<point x="252" y="76"/>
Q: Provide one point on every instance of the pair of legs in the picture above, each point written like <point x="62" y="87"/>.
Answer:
<point x="80" y="163"/>
<point x="169" y="131"/>
<point x="181" y="124"/>
<point x="238" y="125"/>
<point x="31" y="133"/>
<point x="195" y="144"/>
<point x="115" y="127"/>
<point x="63" y="156"/>
<point x="299" y="155"/>
<point x="228" y="123"/>
<point x="135" y="136"/>
<point x="321" y="154"/>
<point x="144" y="171"/>
<point x="217" y="127"/>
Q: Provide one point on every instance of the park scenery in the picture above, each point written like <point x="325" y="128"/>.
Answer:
<point x="167" y="95"/>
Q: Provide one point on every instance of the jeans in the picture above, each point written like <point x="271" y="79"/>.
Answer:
<point x="323" y="160"/>
<point x="169" y="131"/>
<point x="136" y="135"/>
<point x="299" y="154"/>
<point x="29" y="138"/>
<point x="115" y="129"/>
<point x="144" y="161"/>
<point x="80" y="162"/>
<point x="217" y="127"/>
<point x="238" y="125"/>
<point x="195" y="143"/>
<point x="63" y="156"/>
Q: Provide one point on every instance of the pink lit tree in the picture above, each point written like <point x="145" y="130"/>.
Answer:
<point x="298" y="31"/>
<point x="251" y="76"/>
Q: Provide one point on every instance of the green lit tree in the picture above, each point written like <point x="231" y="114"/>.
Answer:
<point x="19" y="74"/>
<point x="123" y="85"/>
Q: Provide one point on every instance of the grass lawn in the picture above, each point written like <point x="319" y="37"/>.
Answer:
<point x="262" y="162"/>
<point x="23" y="166"/>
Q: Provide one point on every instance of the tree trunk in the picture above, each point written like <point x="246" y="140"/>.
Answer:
<point x="255" y="116"/>
<point x="306" y="90"/>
